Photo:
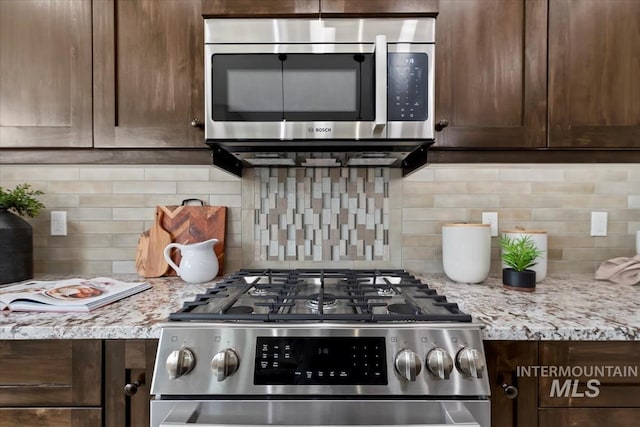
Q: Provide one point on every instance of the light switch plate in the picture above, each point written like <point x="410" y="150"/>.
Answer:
<point x="599" y="223"/>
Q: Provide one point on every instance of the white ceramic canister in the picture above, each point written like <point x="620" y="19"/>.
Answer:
<point x="466" y="252"/>
<point x="539" y="237"/>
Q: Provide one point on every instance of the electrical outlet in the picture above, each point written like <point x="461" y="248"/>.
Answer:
<point x="599" y="223"/>
<point x="58" y="223"/>
<point x="492" y="219"/>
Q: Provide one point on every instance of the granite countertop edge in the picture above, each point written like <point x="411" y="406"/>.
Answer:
<point x="563" y="307"/>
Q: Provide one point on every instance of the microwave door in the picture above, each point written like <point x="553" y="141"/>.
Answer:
<point x="286" y="91"/>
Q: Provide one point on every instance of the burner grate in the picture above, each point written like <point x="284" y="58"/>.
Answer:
<point x="321" y="295"/>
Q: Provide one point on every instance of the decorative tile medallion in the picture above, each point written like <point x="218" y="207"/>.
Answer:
<point x="322" y="214"/>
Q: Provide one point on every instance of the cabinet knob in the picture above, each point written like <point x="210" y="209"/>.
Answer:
<point x="196" y="123"/>
<point x="510" y="391"/>
<point x="441" y="125"/>
<point x="132" y="388"/>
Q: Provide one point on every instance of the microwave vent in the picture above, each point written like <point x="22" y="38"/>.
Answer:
<point x="321" y="162"/>
<point x="371" y="161"/>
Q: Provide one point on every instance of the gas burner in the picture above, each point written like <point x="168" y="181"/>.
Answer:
<point x="329" y="302"/>
<point x="386" y="292"/>
<point x="240" y="309"/>
<point x="400" y="309"/>
<point x="258" y="292"/>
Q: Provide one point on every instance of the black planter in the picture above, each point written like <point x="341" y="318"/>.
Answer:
<point x="16" y="248"/>
<point x="519" y="280"/>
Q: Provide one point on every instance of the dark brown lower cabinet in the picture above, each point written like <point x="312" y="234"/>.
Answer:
<point x="503" y="359"/>
<point x="587" y="417"/>
<point x="51" y="383"/>
<point x="600" y="385"/>
<point x="128" y="363"/>
<point x="51" y="417"/>
<point x="564" y="383"/>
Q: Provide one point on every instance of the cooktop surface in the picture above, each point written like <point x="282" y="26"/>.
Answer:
<point x="319" y="295"/>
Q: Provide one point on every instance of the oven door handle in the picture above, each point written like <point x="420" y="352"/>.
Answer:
<point x="186" y="415"/>
<point x="380" y="51"/>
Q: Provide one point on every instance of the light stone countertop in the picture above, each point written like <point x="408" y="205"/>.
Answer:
<point x="573" y="307"/>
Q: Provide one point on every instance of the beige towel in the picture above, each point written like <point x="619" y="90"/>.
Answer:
<point x="620" y="270"/>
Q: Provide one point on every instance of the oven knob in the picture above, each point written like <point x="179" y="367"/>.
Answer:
<point x="180" y="362"/>
<point x="469" y="362"/>
<point x="439" y="363"/>
<point x="225" y="363"/>
<point x="408" y="365"/>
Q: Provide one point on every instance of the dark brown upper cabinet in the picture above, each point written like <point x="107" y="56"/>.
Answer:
<point x="379" y="7"/>
<point x="257" y="9"/>
<point x="45" y="72"/>
<point x="491" y="72"/>
<point x="148" y="73"/>
<point x="594" y="88"/>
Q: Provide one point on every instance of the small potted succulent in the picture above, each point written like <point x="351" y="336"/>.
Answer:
<point x="16" y="235"/>
<point x="519" y="254"/>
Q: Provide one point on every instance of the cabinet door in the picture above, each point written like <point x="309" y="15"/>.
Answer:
<point x="491" y="73"/>
<point x="51" y="373"/>
<point x="379" y="7"/>
<point x="45" y="73"/>
<point x="594" y="88"/>
<point x="148" y="73"/>
<point x="257" y="9"/>
<point x="126" y="362"/>
<point x="503" y="360"/>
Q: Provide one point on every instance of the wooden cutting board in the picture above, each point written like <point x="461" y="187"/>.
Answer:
<point x="191" y="224"/>
<point x="141" y="254"/>
<point x="150" y="260"/>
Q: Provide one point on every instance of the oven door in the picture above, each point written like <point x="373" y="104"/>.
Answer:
<point x="320" y="413"/>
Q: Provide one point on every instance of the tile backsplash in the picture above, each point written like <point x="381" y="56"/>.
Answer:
<point x="325" y="217"/>
<point x="322" y="214"/>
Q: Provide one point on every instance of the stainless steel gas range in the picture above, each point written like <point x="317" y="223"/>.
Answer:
<point x="322" y="348"/>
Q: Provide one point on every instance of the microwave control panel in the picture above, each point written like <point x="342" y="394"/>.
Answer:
<point x="407" y="87"/>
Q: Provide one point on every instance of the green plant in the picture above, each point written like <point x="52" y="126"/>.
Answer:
<point x="21" y="200"/>
<point x="519" y="253"/>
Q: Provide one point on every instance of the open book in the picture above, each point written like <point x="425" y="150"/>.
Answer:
<point x="67" y="295"/>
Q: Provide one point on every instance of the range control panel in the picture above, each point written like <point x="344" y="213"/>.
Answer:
<point x="320" y="361"/>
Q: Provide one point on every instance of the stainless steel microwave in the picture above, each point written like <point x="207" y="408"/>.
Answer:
<point x="344" y="85"/>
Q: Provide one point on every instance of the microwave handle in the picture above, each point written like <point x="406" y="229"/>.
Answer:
<point x="380" y="51"/>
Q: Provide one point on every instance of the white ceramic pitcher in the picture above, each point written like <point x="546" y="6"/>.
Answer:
<point x="199" y="262"/>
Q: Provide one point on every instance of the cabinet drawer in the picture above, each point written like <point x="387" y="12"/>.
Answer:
<point x="596" y="374"/>
<point x="51" y="417"/>
<point x="589" y="417"/>
<point x="50" y="373"/>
